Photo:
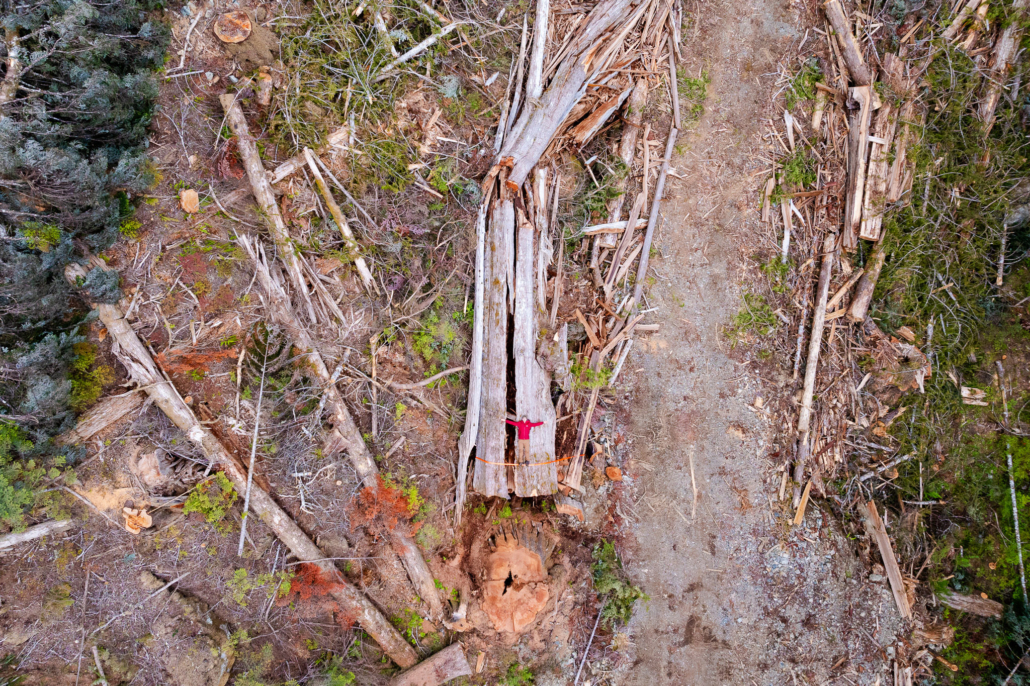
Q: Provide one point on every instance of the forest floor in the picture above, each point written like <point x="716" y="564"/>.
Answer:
<point x="738" y="595"/>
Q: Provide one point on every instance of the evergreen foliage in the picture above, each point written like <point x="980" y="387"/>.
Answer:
<point x="72" y="156"/>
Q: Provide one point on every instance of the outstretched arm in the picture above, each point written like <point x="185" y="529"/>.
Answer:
<point x="536" y="423"/>
<point x="508" y="421"/>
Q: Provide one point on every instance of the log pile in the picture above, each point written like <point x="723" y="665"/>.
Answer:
<point x="601" y="62"/>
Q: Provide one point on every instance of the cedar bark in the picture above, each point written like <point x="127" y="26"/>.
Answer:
<point x="264" y="196"/>
<point x="858" y="139"/>
<point x="144" y="372"/>
<point x="345" y="430"/>
<point x="859" y="70"/>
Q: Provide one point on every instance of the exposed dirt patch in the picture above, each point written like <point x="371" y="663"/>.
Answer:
<point x="737" y="594"/>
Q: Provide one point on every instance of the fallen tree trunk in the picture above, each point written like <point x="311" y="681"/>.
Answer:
<point x="265" y="197"/>
<point x="852" y="51"/>
<point x="50" y="528"/>
<point x="345" y="431"/>
<point x="100" y="416"/>
<point x="812" y="364"/>
<point x="537" y="475"/>
<point x="143" y="371"/>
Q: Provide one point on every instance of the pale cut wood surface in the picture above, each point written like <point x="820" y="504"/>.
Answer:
<point x="875" y="527"/>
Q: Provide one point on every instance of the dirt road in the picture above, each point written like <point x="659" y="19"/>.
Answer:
<point x="738" y="596"/>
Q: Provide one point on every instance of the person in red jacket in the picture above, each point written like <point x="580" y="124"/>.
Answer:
<point x="522" y="445"/>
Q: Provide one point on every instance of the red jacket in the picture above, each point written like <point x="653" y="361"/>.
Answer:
<point x="523" y="428"/>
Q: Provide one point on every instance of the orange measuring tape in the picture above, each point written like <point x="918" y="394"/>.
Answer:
<point x="528" y="464"/>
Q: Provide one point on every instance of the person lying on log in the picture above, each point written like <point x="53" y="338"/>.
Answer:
<point x="523" y="427"/>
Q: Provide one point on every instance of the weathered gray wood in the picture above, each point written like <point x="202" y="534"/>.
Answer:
<point x="265" y="197"/>
<point x="906" y="135"/>
<point x="532" y="383"/>
<point x="50" y="528"/>
<point x="858" y="139"/>
<point x="490" y="475"/>
<point x="975" y="605"/>
<point x="633" y="115"/>
<point x="472" y="413"/>
<point x="345" y="431"/>
<point x="15" y="66"/>
<point x="652" y="221"/>
<point x="143" y="371"/>
<point x="867" y="284"/>
<point x="102" y="415"/>
<point x="537" y="126"/>
<point x="441" y="667"/>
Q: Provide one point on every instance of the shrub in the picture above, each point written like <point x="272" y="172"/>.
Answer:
<point x="610" y="582"/>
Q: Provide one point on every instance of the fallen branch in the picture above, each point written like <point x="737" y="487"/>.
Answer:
<point x="652" y="221"/>
<point x="1012" y="483"/>
<point x="341" y="222"/>
<point x="345" y="431"/>
<point x="100" y="416"/>
<point x="812" y="364"/>
<point x="867" y="284"/>
<point x="265" y="197"/>
<point x="975" y="605"/>
<point x="852" y="51"/>
<point x="443" y="666"/>
<point x="143" y="371"/>
<point x="388" y="70"/>
<point x="54" y="526"/>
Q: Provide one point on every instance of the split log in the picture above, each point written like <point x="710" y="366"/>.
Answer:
<point x="874" y="525"/>
<point x="265" y="197"/>
<point x="450" y="663"/>
<point x="345" y="431"/>
<point x="858" y="138"/>
<point x="100" y="416"/>
<point x="353" y="249"/>
<point x="876" y="177"/>
<point x="974" y="605"/>
<point x="532" y="382"/>
<point x="490" y="474"/>
<point x="1004" y="55"/>
<point x="867" y="284"/>
<point x="144" y="372"/>
<point x="54" y="526"/>
<point x="582" y="132"/>
<point x="812" y="364"/>
<point x="535" y="77"/>
<point x="471" y="432"/>
<point x="852" y="51"/>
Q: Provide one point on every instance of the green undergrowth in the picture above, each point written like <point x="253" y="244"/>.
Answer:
<point x="212" y="499"/>
<point x="693" y="93"/>
<point x="942" y="246"/>
<point x="612" y="585"/>
<point x="755" y="318"/>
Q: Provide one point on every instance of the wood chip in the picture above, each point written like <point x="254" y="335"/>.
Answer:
<point x="189" y="201"/>
<point x="136" y="520"/>
<point x="613" y="473"/>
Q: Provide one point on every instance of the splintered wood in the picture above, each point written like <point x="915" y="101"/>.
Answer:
<point x="575" y="84"/>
